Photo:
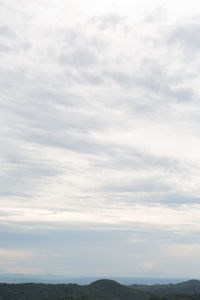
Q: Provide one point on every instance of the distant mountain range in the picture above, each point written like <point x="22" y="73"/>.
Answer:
<point x="104" y="289"/>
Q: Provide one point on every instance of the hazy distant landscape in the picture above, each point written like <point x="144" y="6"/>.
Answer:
<point x="83" y="280"/>
<point x="103" y="289"/>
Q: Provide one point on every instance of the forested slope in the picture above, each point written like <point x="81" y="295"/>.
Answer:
<point x="187" y="287"/>
<point x="99" y="290"/>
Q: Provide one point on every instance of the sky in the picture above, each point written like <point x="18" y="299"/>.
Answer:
<point x="99" y="135"/>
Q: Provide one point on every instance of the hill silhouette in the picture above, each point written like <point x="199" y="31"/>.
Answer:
<point x="99" y="290"/>
<point x="104" y="289"/>
<point x="186" y="287"/>
<point x="107" y="289"/>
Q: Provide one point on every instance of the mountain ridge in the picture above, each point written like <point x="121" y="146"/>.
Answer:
<point x="103" y="289"/>
<point x="191" y="286"/>
<point x="99" y="290"/>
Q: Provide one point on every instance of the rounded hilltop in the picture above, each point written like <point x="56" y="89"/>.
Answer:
<point x="105" y="282"/>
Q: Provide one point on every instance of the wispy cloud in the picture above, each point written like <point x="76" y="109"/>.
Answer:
<point x="99" y="125"/>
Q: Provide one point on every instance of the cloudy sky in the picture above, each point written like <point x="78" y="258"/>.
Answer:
<point x="100" y="137"/>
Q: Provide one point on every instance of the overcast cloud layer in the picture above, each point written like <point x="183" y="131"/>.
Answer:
<point x="99" y="132"/>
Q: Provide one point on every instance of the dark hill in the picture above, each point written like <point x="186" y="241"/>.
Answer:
<point x="106" y="289"/>
<point x="187" y="287"/>
<point x="99" y="290"/>
<point x="105" y="283"/>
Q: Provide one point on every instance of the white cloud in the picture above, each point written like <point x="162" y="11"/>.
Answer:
<point x="183" y="250"/>
<point x="14" y="253"/>
<point x="99" y="122"/>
